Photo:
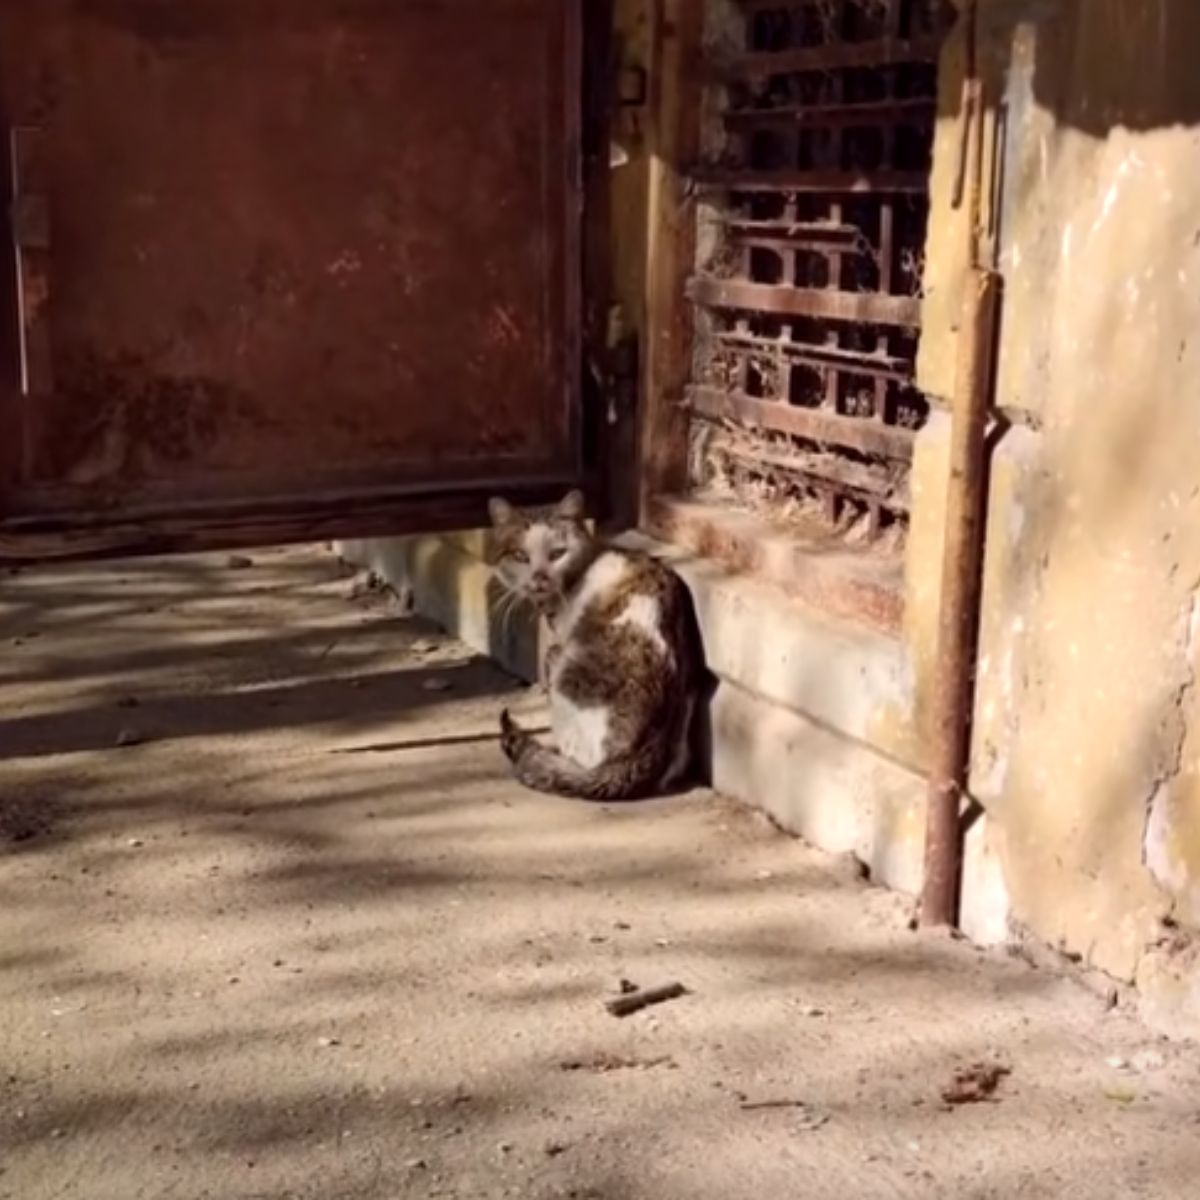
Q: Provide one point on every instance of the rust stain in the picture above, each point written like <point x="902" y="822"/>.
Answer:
<point x="504" y="328"/>
<point x="133" y="425"/>
<point x="270" y="227"/>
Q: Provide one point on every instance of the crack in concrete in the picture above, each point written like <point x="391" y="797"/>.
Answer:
<point x="1156" y="836"/>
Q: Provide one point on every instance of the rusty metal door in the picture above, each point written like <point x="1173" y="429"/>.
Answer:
<point x="284" y="268"/>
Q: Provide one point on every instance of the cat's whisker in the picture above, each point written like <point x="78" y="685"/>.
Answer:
<point x="497" y="621"/>
<point x="504" y="611"/>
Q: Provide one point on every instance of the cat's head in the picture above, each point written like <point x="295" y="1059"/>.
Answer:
<point x="537" y="553"/>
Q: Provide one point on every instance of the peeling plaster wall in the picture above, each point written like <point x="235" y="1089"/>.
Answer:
<point x="1087" y="740"/>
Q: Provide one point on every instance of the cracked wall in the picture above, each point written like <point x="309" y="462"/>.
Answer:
<point x="1087" y="739"/>
<point x="1172" y="841"/>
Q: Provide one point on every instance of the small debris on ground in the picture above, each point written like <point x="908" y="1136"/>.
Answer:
<point x="239" y="562"/>
<point x="328" y="1041"/>
<point x="22" y="821"/>
<point x="631" y="1002"/>
<point x="130" y="737"/>
<point x="554" y="1149"/>
<point x="808" y="1119"/>
<point x="976" y="1083"/>
<point x="369" y="584"/>
<point x="603" y="1063"/>
<point x="436" y="684"/>
<point x="851" y="868"/>
<point x="1148" y="1060"/>
<point x="406" y="600"/>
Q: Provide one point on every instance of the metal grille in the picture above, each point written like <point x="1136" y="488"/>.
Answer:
<point x="809" y="297"/>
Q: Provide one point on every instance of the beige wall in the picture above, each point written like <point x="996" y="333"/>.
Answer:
<point x="1087" y="748"/>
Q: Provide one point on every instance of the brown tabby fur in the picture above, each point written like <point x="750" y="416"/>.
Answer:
<point x="624" y="659"/>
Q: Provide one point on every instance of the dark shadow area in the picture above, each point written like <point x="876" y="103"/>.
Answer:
<point x="368" y="700"/>
<point x="1115" y="64"/>
<point x="469" y="739"/>
<point x="1098" y="65"/>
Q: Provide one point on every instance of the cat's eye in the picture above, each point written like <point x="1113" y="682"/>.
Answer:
<point x="557" y="553"/>
<point x="518" y="556"/>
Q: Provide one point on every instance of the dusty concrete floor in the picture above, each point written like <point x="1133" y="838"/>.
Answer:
<point x="306" y="940"/>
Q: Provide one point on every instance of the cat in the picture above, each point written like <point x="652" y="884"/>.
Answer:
<point x="623" y="667"/>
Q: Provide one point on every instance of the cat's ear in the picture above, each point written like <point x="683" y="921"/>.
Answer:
<point x="572" y="506"/>
<point x="501" y="512"/>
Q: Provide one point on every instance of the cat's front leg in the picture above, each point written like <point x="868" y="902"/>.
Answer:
<point x="551" y="651"/>
<point x="550" y="661"/>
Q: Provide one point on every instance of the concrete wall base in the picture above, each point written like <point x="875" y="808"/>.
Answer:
<point x="791" y="718"/>
<point x="451" y="585"/>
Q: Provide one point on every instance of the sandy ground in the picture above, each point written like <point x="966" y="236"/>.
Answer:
<point x="277" y="925"/>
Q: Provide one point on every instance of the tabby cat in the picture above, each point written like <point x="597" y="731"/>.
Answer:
<point x="623" y="666"/>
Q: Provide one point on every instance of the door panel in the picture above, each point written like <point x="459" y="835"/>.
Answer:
<point x="286" y="261"/>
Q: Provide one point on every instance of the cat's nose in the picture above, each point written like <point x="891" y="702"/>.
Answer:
<point x="541" y="578"/>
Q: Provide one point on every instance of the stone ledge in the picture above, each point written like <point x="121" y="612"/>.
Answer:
<point x="837" y="674"/>
<point x="838" y="795"/>
<point x="451" y="585"/>
<point x="820" y="570"/>
<point x="790" y="722"/>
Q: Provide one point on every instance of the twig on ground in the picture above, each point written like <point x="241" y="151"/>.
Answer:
<point x="631" y="1002"/>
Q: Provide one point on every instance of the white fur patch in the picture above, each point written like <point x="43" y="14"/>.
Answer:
<point x="606" y="573"/>
<point x="644" y="613"/>
<point x="536" y="542"/>
<point x="581" y="733"/>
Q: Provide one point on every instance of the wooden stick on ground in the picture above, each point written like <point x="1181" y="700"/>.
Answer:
<point x="631" y="1002"/>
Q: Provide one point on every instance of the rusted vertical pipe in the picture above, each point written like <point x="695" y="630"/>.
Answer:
<point x="954" y="672"/>
<point x="953" y="684"/>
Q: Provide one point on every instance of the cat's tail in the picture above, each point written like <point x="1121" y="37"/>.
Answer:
<point x="622" y="777"/>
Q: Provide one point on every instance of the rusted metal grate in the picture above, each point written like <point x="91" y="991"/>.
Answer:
<point x="809" y="297"/>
